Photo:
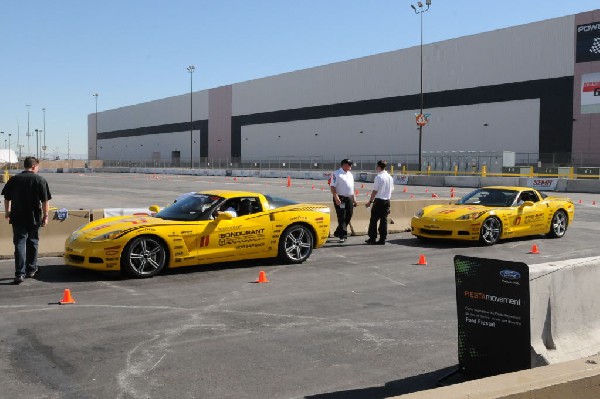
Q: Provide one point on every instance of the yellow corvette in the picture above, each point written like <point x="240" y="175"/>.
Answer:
<point x="202" y="228"/>
<point x="490" y="214"/>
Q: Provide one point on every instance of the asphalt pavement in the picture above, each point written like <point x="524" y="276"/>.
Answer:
<point x="354" y="321"/>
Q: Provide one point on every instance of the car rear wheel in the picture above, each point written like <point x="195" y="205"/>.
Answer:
<point x="558" y="226"/>
<point x="490" y="231"/>
<point x="295" y="244"/>
<point x="143" y="257"/>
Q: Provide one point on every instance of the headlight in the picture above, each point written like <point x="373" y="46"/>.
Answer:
<point x="470" y="216"/>
<point x="419" y="214"/>
<point x="108" y="236"/>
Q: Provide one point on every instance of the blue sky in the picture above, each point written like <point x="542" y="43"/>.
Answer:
<point x="56" y="55"/>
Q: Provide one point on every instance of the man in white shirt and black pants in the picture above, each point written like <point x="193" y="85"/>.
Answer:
<point x="342" y="188"/>
<point x="380" y="198"/>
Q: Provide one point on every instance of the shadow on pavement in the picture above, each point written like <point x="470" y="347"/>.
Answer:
<point x="393" y="388"/>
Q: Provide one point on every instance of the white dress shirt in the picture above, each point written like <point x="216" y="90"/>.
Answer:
<point x="343" y="183"/>
<point x="384" y="185"/>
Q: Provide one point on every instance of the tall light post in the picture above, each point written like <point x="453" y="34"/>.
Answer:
<point x="36" y="143"/>
<point x="28" y="134"/>
<point x="191" y="70"/>
<point x="420" y="12"/>
<point x="95" y="95"/>
<point x="2" y="133"/>
<point x="44" y="144"/>
<point x="9" y="160"/>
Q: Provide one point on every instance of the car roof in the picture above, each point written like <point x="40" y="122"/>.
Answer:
<point x="230" y="193"/>
<point x="515" y="188"/>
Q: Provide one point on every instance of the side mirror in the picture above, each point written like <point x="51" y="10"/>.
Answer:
<point x="224" y="216"/>
<point x="527" y="203"/>
<point x="154" y="209"/>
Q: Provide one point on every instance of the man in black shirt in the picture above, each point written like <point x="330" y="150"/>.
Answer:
<point x="26" y="204"/>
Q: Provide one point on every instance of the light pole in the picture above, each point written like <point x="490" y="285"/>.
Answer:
<point x="37" y="143"/>
<point x="420" y="13"/>
<point x="2" y="133"/>
<point x="96" y="121"/>
<point x="191" y="70"/>
<point x="9" y="160"/>
<point x="44" y="145"/>
<point x="28" y="134"/>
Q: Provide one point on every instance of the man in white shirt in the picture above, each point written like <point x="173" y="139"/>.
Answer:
<point x="342" y="188"/>
<point x="380" y="198"/>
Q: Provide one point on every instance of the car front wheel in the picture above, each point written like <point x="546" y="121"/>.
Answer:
<point x="490" y="231"/>
<point x="143" y="257"/>
<point x="295" y="244"/>
<point x="558" y="226"/>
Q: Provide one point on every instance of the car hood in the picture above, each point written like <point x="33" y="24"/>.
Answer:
<point x="124" y="223"/>
<point x="451" y="212"/>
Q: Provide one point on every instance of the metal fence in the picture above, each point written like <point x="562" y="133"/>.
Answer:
<point x="466" y="161"/>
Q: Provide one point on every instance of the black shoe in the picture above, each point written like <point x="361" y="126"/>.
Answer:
<point x="380" y="242"/>
<point x="33" y="273"/>
<point x="19" y="279"/>
<point x="342" y="240"/>
<point x="370" y="242"/>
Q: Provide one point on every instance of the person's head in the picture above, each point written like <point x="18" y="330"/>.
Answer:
<point x="381" y="165"/>
<point x="31" y="162"/>
<point x="346" y="164"/>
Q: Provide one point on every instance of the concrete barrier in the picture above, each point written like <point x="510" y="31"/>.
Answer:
<point x="419" y="180"/>
<point x="462" y="181"/>
<point x="583" y="186"/>
<point x="498" y="181"/>
<point x="577" y="379"/>
<point x="52" y="237"/>
<point x="565" y="315"/>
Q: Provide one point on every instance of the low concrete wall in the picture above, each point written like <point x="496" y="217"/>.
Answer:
<point x="565" y="309"/>
<point x="577" y="379"/>
<point x="52" y="237"/>
<point x="461" y="181"/>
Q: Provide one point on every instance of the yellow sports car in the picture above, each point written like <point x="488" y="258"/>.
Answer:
<point x="206" y="227"/>
<point x="492" y="213"/>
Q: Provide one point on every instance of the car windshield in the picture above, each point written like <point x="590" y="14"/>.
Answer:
<point x="278" y="202"/>
<point x="489" y="197"/>
<point x="192" y="207"/>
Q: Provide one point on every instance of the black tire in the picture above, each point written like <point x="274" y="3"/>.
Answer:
<point x="558" y="225"/>
<point x="143" y="257"/>
<point x="490" y="231"/>
<point x="296" y="244"/>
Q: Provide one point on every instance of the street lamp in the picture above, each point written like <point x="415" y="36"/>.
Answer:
<point x="44" y="145"/>
<point x="9" y="160"/>
<point x="96" y="120"/>
<point x="2" y="133"/>
<point x="420" y="12"/>
<point x="191" y="70"/>
<point x="28" y="134"/>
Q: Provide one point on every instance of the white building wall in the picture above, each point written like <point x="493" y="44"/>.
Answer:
<point x="510" y="126"/>
<point x="507" y="55"/>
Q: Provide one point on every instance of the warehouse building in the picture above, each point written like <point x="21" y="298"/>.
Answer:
<point x="533" y="90"/>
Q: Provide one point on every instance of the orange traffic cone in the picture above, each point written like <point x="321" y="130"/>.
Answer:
<point x="451" y="194"/>
<point x="67" y="298"/>
<point x="356" y="192"/>
<point x="434" y="195"/>
<point x="262" y="277"/>
<point x="412" y="196"/>
<point x="289" y="181"/>
<point x="593" y="202"/>
<point x="580" y="201"/>
<point x="362" y="186"/>
<point x="313" y="186"/>
<point x="405" y="190"/>
<point x="451" y="189"/>
<point x="422" y="260"/>
<point x="534" y="249"/>
<point x="426" y="190"/>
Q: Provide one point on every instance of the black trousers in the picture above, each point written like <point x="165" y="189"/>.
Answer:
<point x="379" y="213"/>
<point x="344" y="213"/>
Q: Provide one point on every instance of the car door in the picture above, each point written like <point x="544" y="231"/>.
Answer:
<point x="529" y="217"/>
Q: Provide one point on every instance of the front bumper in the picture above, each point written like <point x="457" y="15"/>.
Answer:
<point x="94" y="256"/>
<point x="446" y="229"/>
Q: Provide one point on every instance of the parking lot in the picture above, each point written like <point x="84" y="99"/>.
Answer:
<point x="354" y="321"/>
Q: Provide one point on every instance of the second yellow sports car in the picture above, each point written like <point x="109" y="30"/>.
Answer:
<point x="207" y="227"/>
<point x="490" y="214"/>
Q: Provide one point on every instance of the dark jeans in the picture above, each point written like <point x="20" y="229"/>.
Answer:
<point x="379" y="213"/>
<point x="344" y="215"/>
<point x="26" y="240"/>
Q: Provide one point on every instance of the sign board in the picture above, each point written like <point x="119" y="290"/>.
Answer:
<point x="590" y="93"/>
<point x="588" y="42"/>
<point x="542" y="184"/>
<point x="492" y="300"/>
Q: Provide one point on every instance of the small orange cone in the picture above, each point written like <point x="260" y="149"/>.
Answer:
<point x="451" y="194"/>
<point x="362" y="186"/>
<point x="593" y="202"/>
<point x="434" y="195"/>
<point x="235" y="179"/>
<point x="412" y="196"/>
<point x="405" y="190"/>
<point x="289" y="181"/>
<point x="426" y="190"/>
<point x="355" y="192"/>
<point x="451" y="189"/>
<point x="313" y="186"/>
<point x="534" y="249"/>
<point x="422" y="260"/>
<point x="580" y="201"/>
<point x="67" y="298"/>
<point x="262" y="277"/>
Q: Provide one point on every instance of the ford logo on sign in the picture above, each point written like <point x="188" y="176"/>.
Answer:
<point x="510" y="274"/>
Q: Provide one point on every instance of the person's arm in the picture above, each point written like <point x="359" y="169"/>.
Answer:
<point x="7" y="209"/>
<point x="373" y="194"/>
<point x="45" y="210"/>
<point x="336" y="198"/>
